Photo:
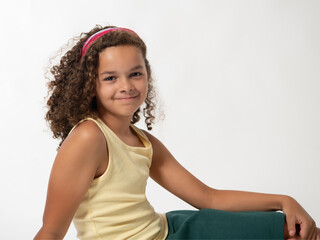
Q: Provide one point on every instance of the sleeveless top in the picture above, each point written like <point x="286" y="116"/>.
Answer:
<point x="115" y="206"/>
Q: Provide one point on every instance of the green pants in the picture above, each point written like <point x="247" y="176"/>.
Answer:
<point x="216" y="224"/>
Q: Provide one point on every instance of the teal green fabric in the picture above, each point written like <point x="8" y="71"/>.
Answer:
<point x="217" y="224"/>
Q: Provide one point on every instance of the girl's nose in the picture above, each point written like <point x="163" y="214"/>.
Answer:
<point x="126" y="85"/>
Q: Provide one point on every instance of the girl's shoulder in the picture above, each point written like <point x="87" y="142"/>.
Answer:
<point x="85" y="146"/>
<point x="87" y="130"/>
<point x="86" y="137"/>
<point x="150" y="137"/>
<point x="157" y="145"/>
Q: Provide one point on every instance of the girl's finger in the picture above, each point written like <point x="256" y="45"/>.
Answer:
<point x="313" y="232"/>
<point x="291" y="226"/>
<point x="306" y="230"/>
<point x="316" y="234"/>
<point x="313" y="236"/>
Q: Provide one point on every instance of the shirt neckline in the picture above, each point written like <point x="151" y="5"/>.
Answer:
<point x="142" y="138"/>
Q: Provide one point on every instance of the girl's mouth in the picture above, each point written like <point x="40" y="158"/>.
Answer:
<point x="126" y="98"/>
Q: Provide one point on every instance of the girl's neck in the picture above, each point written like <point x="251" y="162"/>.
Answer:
<point x="120" y="126"/>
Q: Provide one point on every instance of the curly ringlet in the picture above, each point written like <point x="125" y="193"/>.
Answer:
<point x="72" y="87"/>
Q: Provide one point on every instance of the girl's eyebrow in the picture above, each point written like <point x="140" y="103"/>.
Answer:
<point x="132" y="69"/>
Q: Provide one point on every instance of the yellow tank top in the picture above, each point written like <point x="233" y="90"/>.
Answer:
<point x="115" y="206"/>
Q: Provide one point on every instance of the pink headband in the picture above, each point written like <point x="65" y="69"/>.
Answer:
<point x="99" y="34"/>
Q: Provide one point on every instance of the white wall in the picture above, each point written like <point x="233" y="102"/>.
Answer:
<point x="239" y="83"/>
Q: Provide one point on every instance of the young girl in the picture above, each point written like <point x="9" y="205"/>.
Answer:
<point x="99" y="176"/>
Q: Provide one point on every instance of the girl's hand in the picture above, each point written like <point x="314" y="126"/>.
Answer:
<point x="297" y="216"/>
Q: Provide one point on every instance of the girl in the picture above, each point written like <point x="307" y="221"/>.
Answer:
<point x="99" y="175"/>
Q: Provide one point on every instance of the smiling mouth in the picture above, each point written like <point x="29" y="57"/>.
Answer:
<point x="126" y="98"/>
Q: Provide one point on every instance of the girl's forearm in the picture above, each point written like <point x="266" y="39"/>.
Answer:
<point x="45" y="234"/>
<point x="230" y="200"/>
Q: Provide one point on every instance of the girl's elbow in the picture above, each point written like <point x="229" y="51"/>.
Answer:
<point x="212" y="197"/>
<point x="207" y="199"/>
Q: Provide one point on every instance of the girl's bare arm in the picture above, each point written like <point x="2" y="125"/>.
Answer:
<point x="76" y="165"/>
<point x="166" y="171"/>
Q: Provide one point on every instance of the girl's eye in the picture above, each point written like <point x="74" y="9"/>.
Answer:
<point x="136" y="74"/>
<point x="109" y="78"/>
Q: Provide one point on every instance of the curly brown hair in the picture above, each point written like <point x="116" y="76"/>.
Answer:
<point x="72" y="86"/>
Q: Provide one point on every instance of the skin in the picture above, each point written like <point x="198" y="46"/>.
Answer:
<point x="121" y="88"/>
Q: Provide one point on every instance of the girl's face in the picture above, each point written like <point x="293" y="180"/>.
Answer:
<point x="122" y="83"/>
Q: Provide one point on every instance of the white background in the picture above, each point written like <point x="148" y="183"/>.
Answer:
<point x="238" y="82"/>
